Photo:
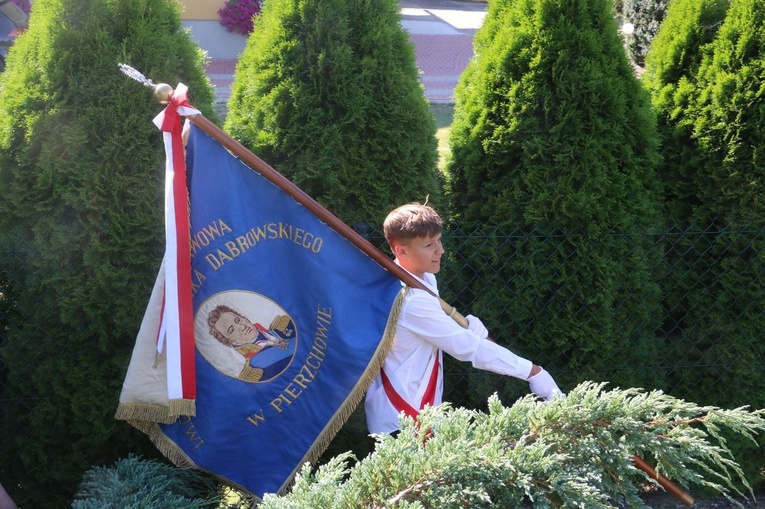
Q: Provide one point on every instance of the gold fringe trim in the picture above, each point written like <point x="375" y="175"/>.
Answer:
<point x="357" y="394"/>
<point x="165" y="414"/>
<point x="168" y="448"/>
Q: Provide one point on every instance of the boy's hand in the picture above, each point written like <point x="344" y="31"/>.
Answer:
<point x="476" y="327"/>
<point x="543" y="385"/>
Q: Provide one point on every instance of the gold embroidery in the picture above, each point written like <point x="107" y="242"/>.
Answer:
<point x="250" y="374"/>
<point x="280" y="323"/>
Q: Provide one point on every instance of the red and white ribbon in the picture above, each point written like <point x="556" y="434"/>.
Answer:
<point x="176" y="334"/>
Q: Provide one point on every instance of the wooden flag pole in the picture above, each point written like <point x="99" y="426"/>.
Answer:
<point x="370" y="250"/>
<point x="670" y="487"/>
<point x="276" y="178"/>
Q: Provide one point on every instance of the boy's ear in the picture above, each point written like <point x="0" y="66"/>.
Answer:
<point x="398" y="249"/>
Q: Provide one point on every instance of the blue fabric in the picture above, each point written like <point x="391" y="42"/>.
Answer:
<point x="258" y="251"/>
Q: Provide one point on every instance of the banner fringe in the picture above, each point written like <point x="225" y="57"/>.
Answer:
<point x="165" y="414"/>
<point x="167" y="447"/>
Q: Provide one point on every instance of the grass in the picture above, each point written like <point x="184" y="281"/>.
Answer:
<point x="444" y="114"/>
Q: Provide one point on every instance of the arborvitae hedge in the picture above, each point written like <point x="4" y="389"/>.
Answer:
<point x="705" y="78"/>
<point x="727" y="118"/>
<point x="670" y="75"/>
<point x="705" y="71"/>
<point x="328" y="93"/>
<point x="555" y="142"/>
<point x="81" y="200"/>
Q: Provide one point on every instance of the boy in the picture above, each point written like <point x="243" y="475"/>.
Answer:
<point x="412" y="375"/>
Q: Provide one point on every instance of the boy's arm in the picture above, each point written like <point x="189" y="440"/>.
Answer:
<point x="476" y="326"/>
<point x="425" y="318"/>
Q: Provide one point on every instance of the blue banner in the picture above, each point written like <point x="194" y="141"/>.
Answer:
<point x="289" y="318"/>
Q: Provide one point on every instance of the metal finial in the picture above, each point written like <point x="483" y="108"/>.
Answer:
<point x="162" y="91"/>
<point x="135" y="74"/>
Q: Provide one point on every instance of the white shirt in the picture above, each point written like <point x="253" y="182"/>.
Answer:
<point x="423" y="331"/>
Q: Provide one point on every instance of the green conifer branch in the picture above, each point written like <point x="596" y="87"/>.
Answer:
<point x="572" y="452"/>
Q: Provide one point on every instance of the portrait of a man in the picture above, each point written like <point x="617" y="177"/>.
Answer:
<point x="265" y="351"/>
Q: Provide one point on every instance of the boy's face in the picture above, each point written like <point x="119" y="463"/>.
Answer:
<point x="420" y="255"/>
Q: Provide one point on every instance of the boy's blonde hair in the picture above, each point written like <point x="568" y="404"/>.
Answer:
<point x="410" y="221"/>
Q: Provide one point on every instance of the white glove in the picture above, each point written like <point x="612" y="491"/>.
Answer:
<point x="476" y="327"/>
<point x="543" y="385"/>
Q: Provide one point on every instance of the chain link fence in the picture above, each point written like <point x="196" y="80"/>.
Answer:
<point x="705" y="343"/>
<point x="700" y="336"/>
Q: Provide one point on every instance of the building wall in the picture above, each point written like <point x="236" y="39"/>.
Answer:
<point x="206" y="10"/>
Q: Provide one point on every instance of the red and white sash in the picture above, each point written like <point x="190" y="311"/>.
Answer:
<point x="428" y="398"/>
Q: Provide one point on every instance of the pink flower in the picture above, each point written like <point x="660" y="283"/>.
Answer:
<point x="237" y="15"/>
